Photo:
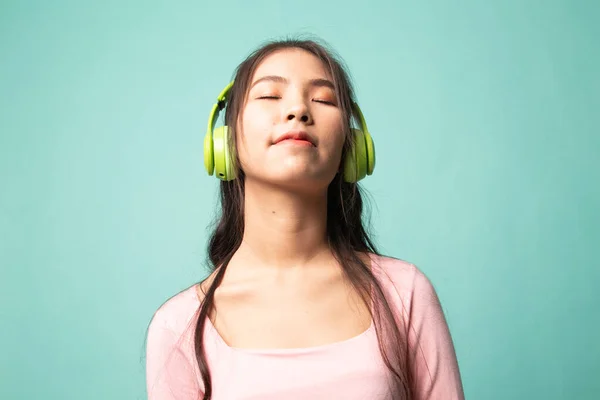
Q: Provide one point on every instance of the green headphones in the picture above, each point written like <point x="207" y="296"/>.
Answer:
<point x="359" y="163"/>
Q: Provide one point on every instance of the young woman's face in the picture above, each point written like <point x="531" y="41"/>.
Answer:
<point x="290" y="131"/>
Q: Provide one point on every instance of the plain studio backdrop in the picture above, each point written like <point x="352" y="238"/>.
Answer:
<point x="486" y="120"/>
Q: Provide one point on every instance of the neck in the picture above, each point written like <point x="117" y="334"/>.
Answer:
<point x="283" y="229"/>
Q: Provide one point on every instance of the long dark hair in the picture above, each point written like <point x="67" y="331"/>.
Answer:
<point x="346" y="232"/>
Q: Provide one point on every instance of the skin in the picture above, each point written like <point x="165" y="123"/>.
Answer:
<point x="283" y="288"/>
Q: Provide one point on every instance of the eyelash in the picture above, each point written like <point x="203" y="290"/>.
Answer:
<point x="316" y="100"/>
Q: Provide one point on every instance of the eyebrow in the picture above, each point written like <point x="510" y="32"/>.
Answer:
<point x="319" y="82"/>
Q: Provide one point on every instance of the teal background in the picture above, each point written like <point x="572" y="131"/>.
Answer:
<point x="485" y="117"/>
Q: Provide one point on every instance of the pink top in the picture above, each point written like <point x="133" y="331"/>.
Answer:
<point x="351" y="370"/>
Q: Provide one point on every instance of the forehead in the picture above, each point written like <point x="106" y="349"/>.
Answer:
<point x="293" y="64"/>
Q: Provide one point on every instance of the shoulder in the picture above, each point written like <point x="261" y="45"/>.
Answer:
<point x="171" y="369"/>
<point x="404" y="282"/>
<point x="403" y="275"/>
<point x="431" y="349"/>
<point x="177" y="313"/>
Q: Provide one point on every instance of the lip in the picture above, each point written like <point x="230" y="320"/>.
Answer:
<point x="300" y="136"/>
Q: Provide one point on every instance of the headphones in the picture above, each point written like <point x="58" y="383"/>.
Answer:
<point x="359" y="162"/>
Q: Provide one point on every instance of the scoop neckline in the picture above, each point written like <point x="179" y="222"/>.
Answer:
<point x="285" y="350"/>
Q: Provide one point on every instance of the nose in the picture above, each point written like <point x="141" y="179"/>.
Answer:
<point x="300" y="112"/>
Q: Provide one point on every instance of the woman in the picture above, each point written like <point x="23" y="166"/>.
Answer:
<point x="299" y="304"/>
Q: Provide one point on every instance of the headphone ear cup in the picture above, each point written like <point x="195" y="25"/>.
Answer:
<point x="222" y="159"/>
<point x="349" y="172"/>
<point x="356" y="163"/>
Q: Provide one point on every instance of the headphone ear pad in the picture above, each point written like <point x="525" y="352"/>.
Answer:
<point x="220" y="146"/>
<point x="222" y="158"/>
<point x="370" y="148"/>
<point x="209" y="157"/>
<point x="356" y="163"/>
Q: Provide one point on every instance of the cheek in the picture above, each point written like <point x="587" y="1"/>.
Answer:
<point x="251" y="137"/>
<point x="255" y="124"/>
<point x="338" y="138"/>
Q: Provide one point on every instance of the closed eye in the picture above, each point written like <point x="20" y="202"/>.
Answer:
<point x="315" y="100"/>
<point x="330" y="103"/>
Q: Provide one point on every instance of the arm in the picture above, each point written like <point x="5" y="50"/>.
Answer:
<point x="432" y="354"/>
<point x="169" y="373"/>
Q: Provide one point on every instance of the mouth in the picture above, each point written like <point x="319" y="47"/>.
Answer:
<point x="297" y="138"/>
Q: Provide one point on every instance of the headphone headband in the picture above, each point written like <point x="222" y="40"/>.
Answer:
<point x="218" y="106"/>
